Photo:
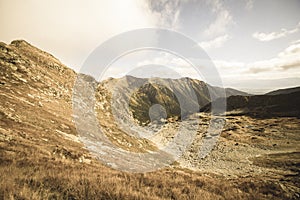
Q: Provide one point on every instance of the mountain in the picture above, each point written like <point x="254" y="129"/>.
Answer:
<point x="180" y="97"/>
<point x="36" y="82"/>
<point x="262" y="86"/>
<point x="42" y="155"/>
<point x="280" y="103"/>
<point x="36" y="89"/>
<point x="284" y="91"/>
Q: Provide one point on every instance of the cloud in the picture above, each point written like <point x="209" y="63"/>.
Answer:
<point x="256" y="70"/>
<point x="286" y="60"/>
<point x="228" y="65"/>
<point x="295" y="42"/>
<point x="286" y="63"/>
<point x="166" y="12"/>
<point x="174" y="63"/>
<point x="291" y="66"/>
<point x="215" y="43"/>
<point x="222" y="21"/>
<point x="292" y="50"/>
<point x="275" y="35"/>
<point x="164" y="58"/>
<point x="249" y="4"/>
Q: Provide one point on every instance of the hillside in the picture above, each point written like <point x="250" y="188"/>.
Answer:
<point x="43" y="157"/>
<point x="284" y="91"/>
<point x="276" y="104"/>
<point x="180" y="97"/>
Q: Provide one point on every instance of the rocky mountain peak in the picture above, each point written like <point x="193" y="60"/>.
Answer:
<point x="20" y="43"/>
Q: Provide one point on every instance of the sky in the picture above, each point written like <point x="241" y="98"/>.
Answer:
<point x="254" y="44"/>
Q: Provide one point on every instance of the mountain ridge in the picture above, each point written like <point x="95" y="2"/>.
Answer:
<point x="284" y="91"/>
<point x="280" y="103"/>
<point x="184" y="96"/>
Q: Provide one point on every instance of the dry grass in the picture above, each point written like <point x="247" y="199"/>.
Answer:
<point x="28" y="172"/>
<point x="56" y="180"/>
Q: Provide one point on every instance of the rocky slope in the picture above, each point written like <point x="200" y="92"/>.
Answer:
<point x="35" y="91"/>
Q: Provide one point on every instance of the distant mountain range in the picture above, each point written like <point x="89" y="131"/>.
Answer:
<point x="278" y="103"/>
<point x="284" y="91"/>
<point x="262" y="86"/>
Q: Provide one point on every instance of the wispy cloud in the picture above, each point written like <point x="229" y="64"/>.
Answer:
<point x="275" y="35"/>
<point x="228" y="65"/>
<point x="166" y="12"/>
<point x="215" y="43"/>
<point x="166" y="59"/>
<point x="222" y="21"/>
<point x="288" y="59"/>
<point x="249" y="4"/>
<point x="175" y="64"/>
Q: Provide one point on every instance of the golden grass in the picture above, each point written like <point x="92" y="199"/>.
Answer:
<point x="31" y="174"/>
